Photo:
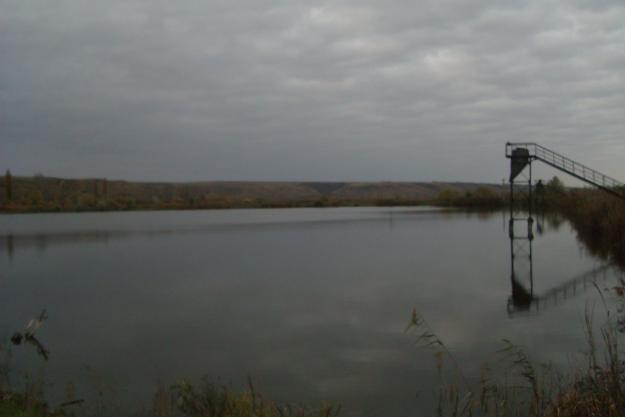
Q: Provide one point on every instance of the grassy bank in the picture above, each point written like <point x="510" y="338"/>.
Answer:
<point x="599" y="219"/>
<point x="21" y="405"/>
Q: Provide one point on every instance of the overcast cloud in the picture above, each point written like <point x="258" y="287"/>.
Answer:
<point x="306" y="90"/>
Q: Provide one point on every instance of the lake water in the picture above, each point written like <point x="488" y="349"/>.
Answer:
<point x="311" y="304"/>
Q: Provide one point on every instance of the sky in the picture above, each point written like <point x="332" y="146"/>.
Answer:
<point x="337" y="90"/>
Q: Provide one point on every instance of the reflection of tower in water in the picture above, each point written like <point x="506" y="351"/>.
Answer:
<point x="521" y="266"/>
<point x="523" y="298"/>
<point x="521" y="233"/>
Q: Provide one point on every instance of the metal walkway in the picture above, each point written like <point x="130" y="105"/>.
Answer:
<point x="526" y="152"/>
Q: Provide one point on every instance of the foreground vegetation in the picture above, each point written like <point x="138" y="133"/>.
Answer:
<point x="23" y="405"/>
<point x="204" y="399"/>
<point x="209" y="400"/>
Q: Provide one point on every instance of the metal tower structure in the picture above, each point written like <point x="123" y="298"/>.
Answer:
<point x="521" y="156"/>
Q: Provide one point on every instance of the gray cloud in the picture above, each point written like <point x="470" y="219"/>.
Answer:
<point x="334" y="90"/>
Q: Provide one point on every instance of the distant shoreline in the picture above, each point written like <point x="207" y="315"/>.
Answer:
<point x="41" y="194"/>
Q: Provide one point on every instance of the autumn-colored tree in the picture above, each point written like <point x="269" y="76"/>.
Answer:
<point x="8" y="185"/>
<point x="448" y="196"/>
<point x="556" y="186"/>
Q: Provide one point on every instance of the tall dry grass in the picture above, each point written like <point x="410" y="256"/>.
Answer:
<point x="210" y="400"/>
<point x="599" y="219"/>
<point x="523" y="388"/>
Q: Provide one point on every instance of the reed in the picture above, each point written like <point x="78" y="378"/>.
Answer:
<point x="599" y="220"/>
<point x="525" y="389"/>
<point x="209" y="400"/>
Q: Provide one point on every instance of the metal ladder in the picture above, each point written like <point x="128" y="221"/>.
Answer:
<point x="567" y="165"/>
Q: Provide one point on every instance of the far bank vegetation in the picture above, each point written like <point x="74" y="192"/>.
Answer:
<point x="40" y="193"/>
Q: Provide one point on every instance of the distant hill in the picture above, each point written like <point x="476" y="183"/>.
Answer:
<point x="47" y="193"/>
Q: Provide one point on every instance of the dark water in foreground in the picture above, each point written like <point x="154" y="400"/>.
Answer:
<point x="310" y="303"/>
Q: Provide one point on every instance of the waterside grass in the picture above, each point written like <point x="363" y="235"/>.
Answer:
<point x="525" y="389"/>
<point x="22" y="405"/>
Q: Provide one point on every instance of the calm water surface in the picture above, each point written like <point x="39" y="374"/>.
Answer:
<point x="311" y="304"/>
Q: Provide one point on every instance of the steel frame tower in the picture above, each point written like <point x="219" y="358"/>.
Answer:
<point x="521" y="262"/>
